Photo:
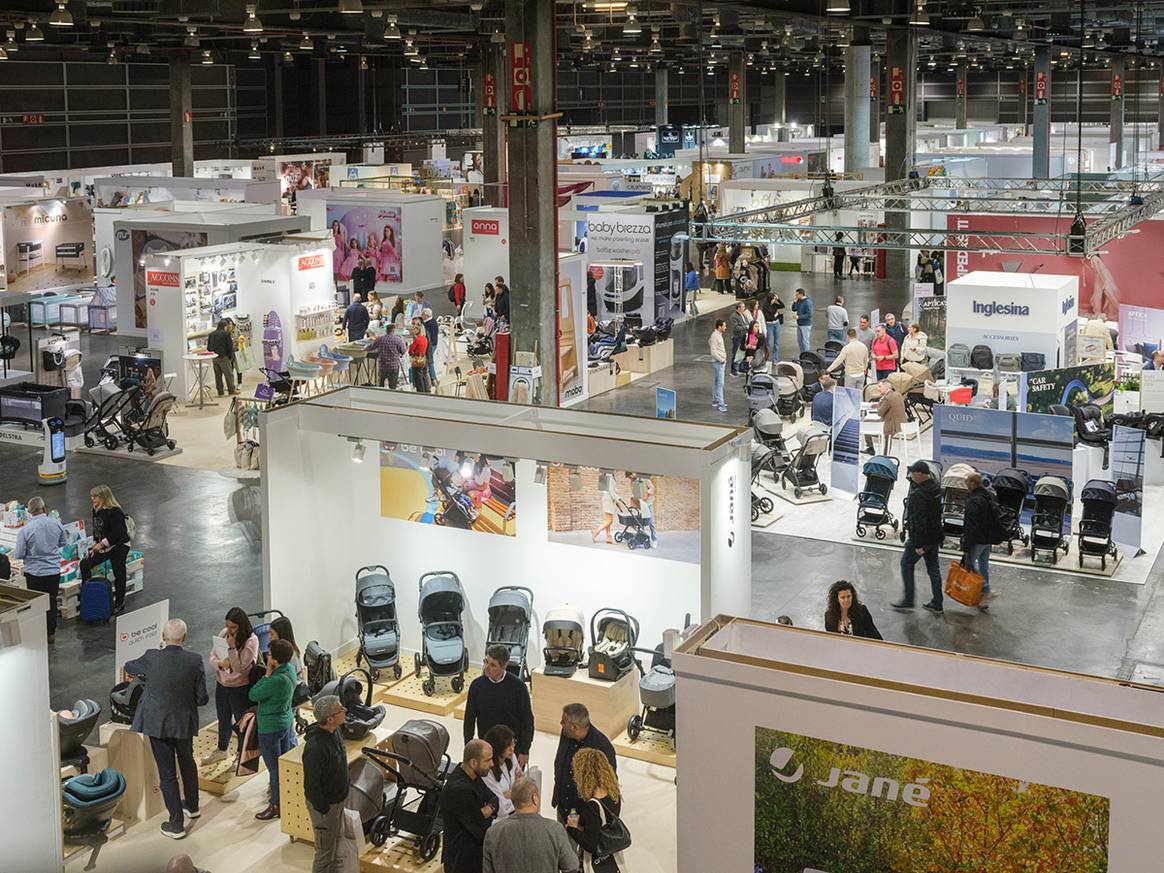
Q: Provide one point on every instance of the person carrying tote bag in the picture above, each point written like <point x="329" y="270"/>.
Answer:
<point x="596" y="826"/>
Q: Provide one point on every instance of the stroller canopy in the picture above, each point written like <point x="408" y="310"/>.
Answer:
<point x="793" y="371"/>
<point x="934" y="467"/>
<point x="1011" y="479"/>
<point x="424" y="744"/>
<point x="761" y="383"/>
<point x="955" y="477"/>
<point x="881" y="467"/>
<point x="1054" y="487"/>
<point x="767" y="423"/>
<point x="510" y="606"/>
<point x="816" y="441"/>
<point x="441" y="595"/>
<point x="657" y="687"/>
<point x="1098" y="491"/>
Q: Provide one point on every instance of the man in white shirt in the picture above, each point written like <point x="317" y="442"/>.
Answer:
<point x="838" y="320"/>
<point x="854" y="358"/>
<point x="718" y="361"/>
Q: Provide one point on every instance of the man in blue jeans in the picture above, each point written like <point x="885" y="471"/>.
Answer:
<point x="718" y="360"/>
<point x="923" y="522"/>
<point x="802" y="306"/>
<point x="981" y="526"/>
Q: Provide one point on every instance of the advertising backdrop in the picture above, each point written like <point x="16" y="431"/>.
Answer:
<point x="655" y="290"/>
<point x="825" y="807"/>
<point x="155" y="242"/>
<point x="930" y="314"/>
<point x="572" y="340"/>
<point x="1127" y="471"/>
<point x="1091" y="383"/>
<point x="846" y="438"/>
<point x="669" y="508"/>
<point x="449" y="488"/>
<point x="47" y="244"/>
<point x="1141" y="329"/>
<point x="370" y="232"/>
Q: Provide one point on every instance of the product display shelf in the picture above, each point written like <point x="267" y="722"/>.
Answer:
<point x="293" y="818"/>
<point x="610" y="703"/>
<point x="344" y="663"/>
<point x="650" y="747"/>
<point x="397" y="856"/>
<point x="409" y="693"/>
<point x="219" y="778"/>
<point x="648" y="359"/>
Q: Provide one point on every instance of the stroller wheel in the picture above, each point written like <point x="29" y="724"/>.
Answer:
<point x="893" y="524"/>
<point x="458" y="684"/>
<point x="755" y="513"/>
<point x="428" y="687"/>
<point x="171" y="444"/>
<point x="1009" y="547"/>
<point x="428" y="846"/>
<point x="766" y="504"/>
<point x="111" y="443"/>
<point x="375" y="675"/>
<point x="880" y="534"/>
<point x="149" y="452"/>
<point x="396" y="671"/>
<point x="89" y="441"/>
<point x="796" y="492"/>
<point x="824" y="489"/>
<point x="1081" y="560"/>
<point x="380" y="831"/>
<point x="861" y="530"/>
<point x="634" y="727"/>
<point x="416" y="664"/>
<point x="618" y="536"/>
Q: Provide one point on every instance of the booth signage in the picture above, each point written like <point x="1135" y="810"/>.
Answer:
<point x="961" y="88"/>
<point x="1011" y="309"/>
<point x="1089" y="383"/>
<point x="161" y="279"/>
<point x="734" y="96"/>
<point x="521" y="77"/>
<point x="137" y="633"/>
<point x="846" y="430"/>
<point x="311" y="262"/>
<point x="896" y="90"/>
<point x="1141" y="330"/>
<point x="872" y="87"/>
<point x="1117" y="87"/>
<point x="489" y="93"/>
<point x="1040" y="88"/>
<point x="485" y="227"/>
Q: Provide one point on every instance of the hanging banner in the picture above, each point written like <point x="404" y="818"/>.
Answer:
<point x="521" y="79"/>
<point x="1092" y="383"/>
<point x="489" y="93"/>
<point x="930" y="315"/>
<point x="873" y="87"/>
<point x="960" y="87"/>
<point x="896" y="90"/>
<point x="1040" y="88"/>
<point x="846" y="438"/>
<point x="137" y="632"/>
<point x="1117" y="87"/>
<point x="1023" y="85"/>
<point x="1127" y="471"/>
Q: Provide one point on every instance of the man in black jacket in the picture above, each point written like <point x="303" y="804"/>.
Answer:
<point x="577" y="733"/>
<point x="500" y="697"/>
<point x="356" y="319"/>
<point x="325" y="781"/>
<point x="468" y="806"/>
<point x="364" y="278"/>
<point x="222" y="344"/>
<point x="923" y="522"/>
<point x="981" y="528"/>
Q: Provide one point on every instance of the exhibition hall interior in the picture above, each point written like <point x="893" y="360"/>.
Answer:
<point x="546" y="436"/>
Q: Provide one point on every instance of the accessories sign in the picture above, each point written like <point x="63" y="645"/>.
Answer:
<point x="162" y="279"/>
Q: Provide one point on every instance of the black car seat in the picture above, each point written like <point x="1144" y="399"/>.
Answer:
<point x="362" y="718"/>
<point x="74" y="726"/>
<point x="1090" y="429"/>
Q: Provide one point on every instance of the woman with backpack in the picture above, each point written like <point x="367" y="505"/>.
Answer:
<point x="112" y="531"/>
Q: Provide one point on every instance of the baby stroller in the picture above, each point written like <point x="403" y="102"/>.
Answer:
<point x="873" y="500"/>
<point x="457" y="509"/>
<point x="768" y="431"/>
<point x="763" y="459"/>
<point x="636" y="532"/>
<point x="87" y="804"/>
<point x="954" y="494"/>
<point x="479" y="343"/>
<point x="418" y="765"/>
<point x="656" y="691"/>
<point x="105" y="424"/>
<point x="1010" y="487"/>
<point x="362" y="718"/>
<point x="613" y="634"/>
<point x="261" y="625"/>
<point x="801" y="473"/>
<point x="282" y="388"/>
<point x="564" y="636"/>
<point x="762" y="393"/>
<point x="789" y="382"/>
<point x="1052" y="497"/>
<point x="152" y="433"/>
<point x="376" y="620"/>
<point x="831" y="349"/>
<point x="1099" y="503"/>
<point x="510" y="611"/>
<point x="812" y="365"/>
<point x="442" y="639"/>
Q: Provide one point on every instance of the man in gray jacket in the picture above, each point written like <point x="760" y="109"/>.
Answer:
<point x="175" y="686"/>
<point x="525" y="842"/>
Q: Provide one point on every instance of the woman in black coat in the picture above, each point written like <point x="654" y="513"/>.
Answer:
<point x="111" y="541"/>
<point x="845" y="614"/>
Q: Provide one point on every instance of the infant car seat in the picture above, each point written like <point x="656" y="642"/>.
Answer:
<point x="89" y="799"/>
<point x="124" y="699"/>
<point x="362" y="718"/>
<point x="663" y="327"/>
<point x="614" y="634"/>
<point x="75" y="725"/>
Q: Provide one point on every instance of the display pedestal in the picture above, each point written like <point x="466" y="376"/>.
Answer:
<point x="219" y="778"/>
<point x="129" y="754"/>
<point x="293" y="818"/>
<point x="648" y="359"/>
<point x="610" y="703"/>
<point x="603" y="378"/>
<point x="397" y="857"/>
<point x="409" y="693"/>
<point x="650" y="747"/>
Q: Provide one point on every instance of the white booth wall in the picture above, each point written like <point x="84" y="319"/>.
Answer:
<point x="146" y="189"/>
<point x="223" y="168"/>
<point x="486" y="248"/>
<point x="315" y="494"/>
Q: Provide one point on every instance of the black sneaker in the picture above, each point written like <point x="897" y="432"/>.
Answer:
<point x="932" y="607"/>
<point x="902" y="604"/>
<point x="191" y="813"/>
<point x="174" y="831"/>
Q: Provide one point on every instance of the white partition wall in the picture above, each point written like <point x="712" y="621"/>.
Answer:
<point x="322" y="514"/>
<point x="943" y="748"/>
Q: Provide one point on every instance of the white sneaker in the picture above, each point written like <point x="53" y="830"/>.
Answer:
<point x="213" y="757"/>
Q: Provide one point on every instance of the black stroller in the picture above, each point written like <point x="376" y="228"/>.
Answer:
<point x="1099" y="504"/>
<point x="105" y="424"/>
<point x="457" y="508"/>
<point x="789" y="387"/>
<point x="636" y="532"/>
<point x="873" y="500"/>
<point x="812" y="365"/>
<point x="831" y="349"/>
<point x="762" y="459"/>
<point x="283" y="390"/>
<point x="1052" y="497"/>
<point x="417" y="766"/>
<point x="955" y="493"/>
<point x="768" y="431"/>
<point x="442" y="640"/>
<point x="510" y="613"/>
<point x="1010" y="487"/>
<point x="376" y="621"/>
<point x="762" y="393"/>
<point x="656" y="692"/>
<point x="801" y="473"/>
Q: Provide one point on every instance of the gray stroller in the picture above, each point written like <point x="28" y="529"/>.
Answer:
<point x="510" y="612"/>
<point x="376" y="621"/>
<point x="442" y="640"/>
<point x="656" y="691"/>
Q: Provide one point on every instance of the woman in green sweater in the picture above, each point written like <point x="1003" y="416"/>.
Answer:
<point x="276" y="729"/>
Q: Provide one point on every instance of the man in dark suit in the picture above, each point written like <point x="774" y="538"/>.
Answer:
<point x="175" y="686"/>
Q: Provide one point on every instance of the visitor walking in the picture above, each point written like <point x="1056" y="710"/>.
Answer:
<point x="921" y="524"/>
<point x="837" y="320"/>
<point x="38" y="545"/>
<point x="718" y="361"/>
<point x="802" y="306"/>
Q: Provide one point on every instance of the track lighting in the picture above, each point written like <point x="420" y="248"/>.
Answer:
<point x="357" y="450"/>
<point x="61" y="17"/>
<point x="540" y="474"/>
<point x="252" y="23"/>
<point x="34" y="33"/>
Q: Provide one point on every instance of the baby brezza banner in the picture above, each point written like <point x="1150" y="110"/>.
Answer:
<point x="610" y="236"/>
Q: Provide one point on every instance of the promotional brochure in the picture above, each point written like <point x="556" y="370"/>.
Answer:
<point x="47" y="244"/>
<point x="825" y="807"/>
<point x="447" y="487"/>
<point x="657" y="516"/>
<point x="1090" y="383"/>
<point x="367" y="232"/>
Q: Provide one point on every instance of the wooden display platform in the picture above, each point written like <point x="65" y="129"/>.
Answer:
<point x="397" y="857"/>
<point x="409" y="694"/>
<point x="650" y="359"/>
<point x="610" y="703"/>
<point x="343" y="663"/>
<point x="219" y="778"/>
<point x="650" y="747"/>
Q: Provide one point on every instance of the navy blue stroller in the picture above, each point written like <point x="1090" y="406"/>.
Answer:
<point x="873" y="500"/>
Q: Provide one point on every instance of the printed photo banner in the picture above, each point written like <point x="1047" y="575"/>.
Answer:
<point x="826" y="807"/>
<point x="1127" y="471"/>
<point x="1141" y="330"/>
<point x="846" y="439"/>
<point x="1068" y="386"/>
<point x="930" y="315"/>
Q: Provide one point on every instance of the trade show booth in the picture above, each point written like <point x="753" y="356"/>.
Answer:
<point x="296" y="173"/>
<point x="139" y="190"/>
<point x="46" y="244"/>
<point x="498" y="494"/>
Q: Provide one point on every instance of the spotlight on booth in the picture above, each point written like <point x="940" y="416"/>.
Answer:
<point x="540" y="474"/>
<point x="357" y="449"/>
<point x="575" y="479"/>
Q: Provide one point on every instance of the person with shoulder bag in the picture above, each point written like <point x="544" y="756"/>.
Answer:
<point x="112" y="531"/>
<point x="982" y="527"/>
<point x="596" y="825"/>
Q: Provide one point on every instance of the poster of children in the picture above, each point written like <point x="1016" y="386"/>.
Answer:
<point x="366" y="233"/>
<point x="448" y="487"/>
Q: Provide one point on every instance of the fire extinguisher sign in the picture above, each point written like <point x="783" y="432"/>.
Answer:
<point x="489" y="88"/>
<point x="1040" y="88"/>
<point x="521" y="79"/>
<point x="896" y="90"/>
<point x="734" y="88"/>
<point x="1117" y="87"/>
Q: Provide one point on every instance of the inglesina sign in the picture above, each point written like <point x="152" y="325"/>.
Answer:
<point x="995" y="308"/>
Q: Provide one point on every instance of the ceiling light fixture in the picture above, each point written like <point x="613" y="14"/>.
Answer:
<point x="351" y="7"/>
<point x="976" y="24"/>
<point x="305" y="44"/>
<point x="632" y="26"/>
<point x="254" y="52"/>
<point x="837" y="7"/>
<point x="3" y="54"/>
<point x="34" y="33"/>
<point x="920" y="17"/>
<point x="207" y="60"/>
<point x="252" y="24"/>
<point x="61" y="17"/>
<point x="288" y="58"/>
<point x="391" y="31"/>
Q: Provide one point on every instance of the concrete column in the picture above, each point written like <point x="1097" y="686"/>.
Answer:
<point x="662" y="96"/>
<point x="1041" y="89"/>
<point x="900" y="128"/>
<point x="181" y="120"/>
<point x="1160" y="113"/>
<point x="1118" y="86"/>
<point x="875" y="107"/>
<point x="533" y="196"/>
<point x="960" y="97"/>
<point x="737" y="102"/>
<point x="276" y="128"/>
<point x="492" y="127"/>
<point x="779" y="110"/>
<point x="857" y="58"/>
<point x="320" y="96"/>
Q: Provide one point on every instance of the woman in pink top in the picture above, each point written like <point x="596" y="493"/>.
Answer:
<point x="372" y="251"/>
<point x="351" y="260"/>
<point x="884" y="351"/>
<point x="341" y="243"/>
<point x="232" y="690"/>
<point x="389" y="267"/>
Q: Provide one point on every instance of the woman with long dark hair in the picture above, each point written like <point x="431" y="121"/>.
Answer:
<point x="846" y="614"/>
<point x="505" y="770"/>
<point x="233" y="670"/>
<point x="281" y="630"/>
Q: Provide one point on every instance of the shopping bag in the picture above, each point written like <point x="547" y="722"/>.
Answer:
<point x="354" y="830"/>
<point x="964" y="586"/>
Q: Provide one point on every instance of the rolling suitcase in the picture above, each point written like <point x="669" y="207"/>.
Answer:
<point x="96" y="602"/>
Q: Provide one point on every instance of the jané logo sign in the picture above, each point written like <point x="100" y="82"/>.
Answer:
<point x="853" y="781"/>
<point x="995" y="308"/>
